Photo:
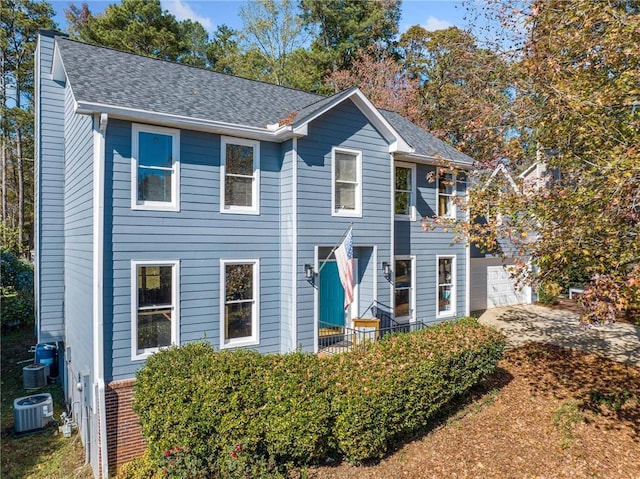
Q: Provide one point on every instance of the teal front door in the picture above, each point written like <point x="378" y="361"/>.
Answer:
<point x="331" y="297"/>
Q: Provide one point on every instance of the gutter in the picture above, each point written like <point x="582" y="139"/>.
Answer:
<point x="184" y="122"/>
<point x="99" y="402"/>
<point x="433" y="160"/>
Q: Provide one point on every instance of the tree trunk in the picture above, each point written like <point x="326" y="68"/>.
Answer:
<point x="4" y="180"/>
<point x="20" y="164"/>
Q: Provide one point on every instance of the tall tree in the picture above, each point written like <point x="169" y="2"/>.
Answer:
<point x="223" y="50"/>
<point x="141" y="26"/>
<point x="274" y="30"/>
<point x="579" y="94"/>
<point x="21" y="20"/>
<point x="465" y="90"/>
<point x="342" y="28"/>
<point x="383" y="80"/>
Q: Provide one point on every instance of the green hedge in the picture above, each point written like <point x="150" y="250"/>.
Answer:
<point x="244" y="414"/>
<point x="391" y="390"/>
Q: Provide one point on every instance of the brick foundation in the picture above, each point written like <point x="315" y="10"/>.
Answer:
<point x="124" y="438"/>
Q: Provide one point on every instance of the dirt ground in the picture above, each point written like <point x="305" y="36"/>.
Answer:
<point x="549" y="412"/>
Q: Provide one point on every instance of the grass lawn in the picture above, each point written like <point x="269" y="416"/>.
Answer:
<point x="45" y="454"/>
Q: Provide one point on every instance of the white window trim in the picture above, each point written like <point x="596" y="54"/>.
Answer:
<point x="454" y="287"/>
<point x="255" y="192"/>
<point x="412" y="300"/>
<point x="175" y="298"/>
<point x="357" y="212"/>
<point x="174" y="204"/>
<point x="412" y="202"/>
<point x="254" y="339"/>
<point x="454" y="193"/>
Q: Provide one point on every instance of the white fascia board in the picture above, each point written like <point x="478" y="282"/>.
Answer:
<point x="431" y="160"/>
<point x="396" y="142"/>
<point x="528" y="170"/>
<point x="58" y="73"/>
<point x="505" y="172"/>
<point x="177" y="121"/>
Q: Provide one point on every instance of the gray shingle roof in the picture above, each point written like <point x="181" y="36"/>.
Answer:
<point x="103" y="75"/>
<point x="425" y="144"/>
<point x="106" y="76"/>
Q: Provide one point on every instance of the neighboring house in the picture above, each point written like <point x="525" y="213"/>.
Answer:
<point x="492" y="283"/>
<point x="175" y="204"/>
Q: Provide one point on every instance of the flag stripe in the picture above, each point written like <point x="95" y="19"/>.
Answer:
<point x="344" y="258"/>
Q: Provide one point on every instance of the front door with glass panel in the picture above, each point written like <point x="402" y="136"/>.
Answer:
<point x="332" y="313"/>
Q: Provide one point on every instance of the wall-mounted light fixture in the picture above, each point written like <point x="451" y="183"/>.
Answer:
<point x="386" y="269"/>
<point x="309" y="273"/>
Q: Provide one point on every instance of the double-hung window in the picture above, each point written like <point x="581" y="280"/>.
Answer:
<point x="155" y="172"/>
<point x="446" y="194"/>
<point x="240" y="176"/>
<point x="404" y="281"/>
<point x="405" y="187"/>
<point x="240" y="285"/>
<point x="346" y="182"/>
<point x="154" y="300"/>
<point x="446" y="289"/>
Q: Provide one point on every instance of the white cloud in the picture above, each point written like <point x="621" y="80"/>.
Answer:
<point x="183" y="11"/>
<point x="434" y="23"/>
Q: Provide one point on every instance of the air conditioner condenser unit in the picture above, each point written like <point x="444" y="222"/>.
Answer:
<point x="31" y="413"/>
<point x="35" y="376"/>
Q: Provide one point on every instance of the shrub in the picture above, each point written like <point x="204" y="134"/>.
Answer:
<point x="274" y="409"/>
<point x="391" y="390"/>
<point x="140" y="468"/>
<point x="297" y="414"/>
<point x="240" y="414"/>
<point x="548" y="293"/>
<point x="199" y="401"/>
<point x="17" y="302"/>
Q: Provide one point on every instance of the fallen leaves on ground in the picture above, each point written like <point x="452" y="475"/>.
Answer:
<point x="549" y="412"/>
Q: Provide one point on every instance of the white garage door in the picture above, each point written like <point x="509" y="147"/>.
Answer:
<point x="491" y="285"/>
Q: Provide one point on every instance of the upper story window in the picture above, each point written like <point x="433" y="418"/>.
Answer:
<point x="346" y="182"/>
<point x="446" y="195"/>
<point x="155" y="173"/>
<point x="154" y="301"/>
<point x="240" y="176"/>
<point x="405" y="191"/>
<point x="240" y="286"/>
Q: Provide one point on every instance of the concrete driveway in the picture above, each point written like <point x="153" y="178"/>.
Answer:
<point x="533" y="323"/>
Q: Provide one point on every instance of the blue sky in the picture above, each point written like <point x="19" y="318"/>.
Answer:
<point x="431" y="14"/>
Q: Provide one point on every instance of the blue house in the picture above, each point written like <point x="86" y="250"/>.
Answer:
<point x="175" y="204"/>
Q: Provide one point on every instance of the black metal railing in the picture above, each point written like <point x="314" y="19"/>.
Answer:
<point x="334" y="339"/>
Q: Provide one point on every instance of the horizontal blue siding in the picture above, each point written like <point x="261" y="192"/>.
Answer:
<point x="49" y="201"/>
<point x="78" y="237"/>
<point x="411" y="239"/>
<point x="344" y="126"/>
<point x="198" y="236"/>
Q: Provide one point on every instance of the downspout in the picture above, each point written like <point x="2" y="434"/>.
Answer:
<point x="467" y="250"/>
<point x="99" y="403"/>
<point x="294" y="242"/>
<point x="392" y="239"/>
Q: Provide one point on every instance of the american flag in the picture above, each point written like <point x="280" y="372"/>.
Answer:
<point x="344" y="257"/>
